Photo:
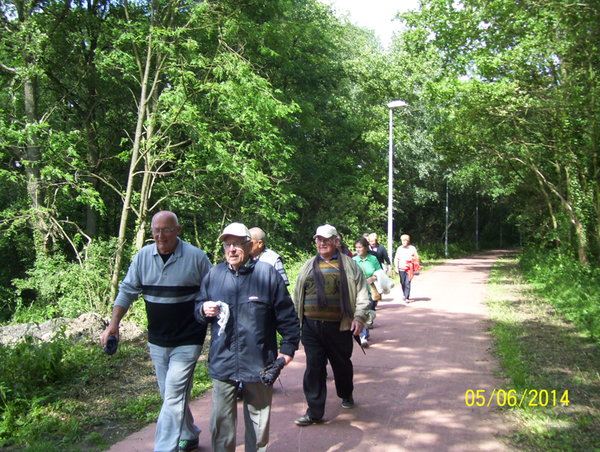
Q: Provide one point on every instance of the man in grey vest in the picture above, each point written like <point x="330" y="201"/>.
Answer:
<point x="264" y="254"/>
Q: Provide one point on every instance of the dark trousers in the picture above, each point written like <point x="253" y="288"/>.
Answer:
<point x="323" y="341"/>
<point x="405" y="281"/>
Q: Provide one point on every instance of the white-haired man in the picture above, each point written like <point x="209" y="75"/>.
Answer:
<point x="262" y="253"/>
<point x="168" y="274"/>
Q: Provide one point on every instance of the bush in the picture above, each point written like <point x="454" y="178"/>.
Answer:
<point x="66" y="288"/>
<point x="571" y="288"/>
<point x="67" y="396"/>
<point x="436" y="251"/>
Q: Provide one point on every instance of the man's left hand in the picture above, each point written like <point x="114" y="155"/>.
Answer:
<point x="288" y="358"/>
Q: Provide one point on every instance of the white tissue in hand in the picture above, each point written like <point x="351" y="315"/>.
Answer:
<point x="223" y="316"/>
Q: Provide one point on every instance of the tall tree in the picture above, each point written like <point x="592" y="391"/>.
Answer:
<point x="526" y="104"/>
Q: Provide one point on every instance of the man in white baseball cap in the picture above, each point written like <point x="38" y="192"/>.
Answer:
<point x="332" y="302"/>
<point x="245" y="342"/>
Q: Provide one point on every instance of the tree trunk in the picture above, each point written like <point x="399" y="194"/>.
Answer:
<point x="139" y="132"/>
<point x="31" y="161"/>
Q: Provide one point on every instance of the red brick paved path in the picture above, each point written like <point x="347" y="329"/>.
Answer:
<point x="410" y="386"/>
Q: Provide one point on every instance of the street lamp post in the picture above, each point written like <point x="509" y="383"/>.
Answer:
<point x="477" y="221"/>
<point x="393" y="104"/>
<point x="446" y="239"/>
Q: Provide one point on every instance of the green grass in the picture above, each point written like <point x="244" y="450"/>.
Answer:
<point x="540" y="350"/>
<point x="69" y="397"/>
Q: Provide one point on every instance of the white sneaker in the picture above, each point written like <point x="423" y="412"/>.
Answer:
<point x="364" y="343"/>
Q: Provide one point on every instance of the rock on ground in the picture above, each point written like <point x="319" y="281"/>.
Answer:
<point x="87" y="327"/>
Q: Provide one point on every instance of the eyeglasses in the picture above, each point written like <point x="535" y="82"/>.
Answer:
<point x="325" y="241"/>
<point x="165" y="231"/>
<point x="238" y="245"/>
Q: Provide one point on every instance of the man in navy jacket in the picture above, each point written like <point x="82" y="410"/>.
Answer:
<point x="247" y="303"/>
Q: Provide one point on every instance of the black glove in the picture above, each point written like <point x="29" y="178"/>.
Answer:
<point x="112" y="343"/>
<point x="270" y="373"/>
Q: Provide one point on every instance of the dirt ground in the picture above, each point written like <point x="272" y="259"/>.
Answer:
<point x="87" y="327"/>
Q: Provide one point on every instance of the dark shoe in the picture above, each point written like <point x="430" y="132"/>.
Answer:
<point x="187" y="445"/>
<point x="348" y="403"/>
<point x="307" y="420"/>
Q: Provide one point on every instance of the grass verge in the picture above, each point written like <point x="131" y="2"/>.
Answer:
<point x="72" y="397"/>
<point x="545" y="357"/>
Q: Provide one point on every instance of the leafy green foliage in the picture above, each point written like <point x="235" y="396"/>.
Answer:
<point x="68" y="396"/>
<point x="572" y="289"/>
<point x="67" y="288"/>
<point x="516" y="120"/>
<point x="542" y="353"/>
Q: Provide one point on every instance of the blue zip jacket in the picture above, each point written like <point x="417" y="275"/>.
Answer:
<point x="260" y="306"/>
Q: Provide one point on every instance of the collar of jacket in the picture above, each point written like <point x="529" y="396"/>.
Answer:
<point x="248" y="267"/>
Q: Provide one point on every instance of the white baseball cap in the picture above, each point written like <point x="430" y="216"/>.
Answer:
<point x="326" y="231"/>
<point x="237" y="230"/>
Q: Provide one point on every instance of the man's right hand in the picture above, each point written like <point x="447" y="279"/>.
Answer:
<point x="113" y="326"/>
<point x="211" y="309"/>
<point x="110" y="329"/>
<point x="356" y="327"/>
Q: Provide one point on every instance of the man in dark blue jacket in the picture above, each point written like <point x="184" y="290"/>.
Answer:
<point x="247" y="303"/>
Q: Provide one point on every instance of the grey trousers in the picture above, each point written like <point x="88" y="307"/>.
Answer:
<point x="257" y="414"/>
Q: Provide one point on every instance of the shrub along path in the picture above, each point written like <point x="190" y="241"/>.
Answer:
<point x="409" y="387"/>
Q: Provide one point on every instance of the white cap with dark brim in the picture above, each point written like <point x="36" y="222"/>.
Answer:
<point x="236" y="230"/>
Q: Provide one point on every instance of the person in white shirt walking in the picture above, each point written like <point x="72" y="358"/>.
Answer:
<point x="402" y="260"/>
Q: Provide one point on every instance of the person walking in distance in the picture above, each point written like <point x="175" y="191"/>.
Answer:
<point x="332" y="302"/>
<point x="369" y="265"/>
<point x="404" y="259"/>
<point x="379" y="251"/>
<point x="168" y="274"/>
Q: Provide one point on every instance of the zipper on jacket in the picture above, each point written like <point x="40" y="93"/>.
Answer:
<point x="237" y="333"/>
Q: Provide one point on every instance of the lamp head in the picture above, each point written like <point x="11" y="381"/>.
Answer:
<point x="397" y="103"/>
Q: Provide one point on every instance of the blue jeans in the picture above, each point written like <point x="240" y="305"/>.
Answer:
<point x="175" y="375"/>
<point x="372" y="306"/>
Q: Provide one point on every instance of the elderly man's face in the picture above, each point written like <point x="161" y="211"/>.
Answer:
<point x="257" y="247"/>
<point x="326" y="246"/>
<point x="165" y="231"/>
<point x="237" y="250"/>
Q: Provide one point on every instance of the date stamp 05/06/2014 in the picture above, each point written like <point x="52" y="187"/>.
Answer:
<point x="540" y="397"/>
